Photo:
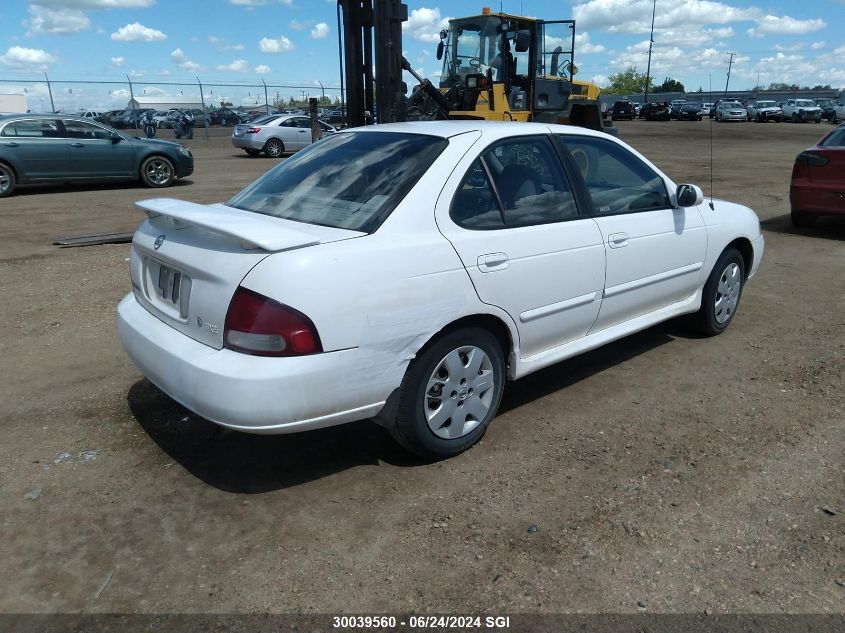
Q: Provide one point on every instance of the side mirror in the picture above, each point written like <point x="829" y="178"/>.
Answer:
<point x="521" y="41"/>
<point x="116" y="138"/>
<point x="689" y="196"/>
<point x="440" y="47"/>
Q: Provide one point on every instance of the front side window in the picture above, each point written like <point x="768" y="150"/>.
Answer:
<point x="351" y="180"/>
<point x="528" y="187"/>
<point x="618" y="181"/>
<point x="84" y="130"/>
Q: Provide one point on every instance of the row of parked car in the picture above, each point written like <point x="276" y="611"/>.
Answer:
<point x="795" y="110"/>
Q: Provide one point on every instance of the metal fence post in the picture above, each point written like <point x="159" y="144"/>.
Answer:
<point x="316" y="132"/>
<point x="132" y="103"/>
<point x="202" y="100"/>
<point x="50" y="90"/>
<point x="266" y="102"/>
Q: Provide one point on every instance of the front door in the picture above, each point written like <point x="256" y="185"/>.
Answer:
<point x="655" y="252"/>
<point x="93" y="153"/>
<point x="513" y="220"/>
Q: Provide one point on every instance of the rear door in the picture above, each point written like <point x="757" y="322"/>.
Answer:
<point x="655" y="252"/>
<point x="93" y="153"/>
<point x="513" y="219"/>
<point x="36" y="148"/>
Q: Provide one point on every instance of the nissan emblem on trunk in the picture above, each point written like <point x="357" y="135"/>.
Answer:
<point x="159" y="241"/>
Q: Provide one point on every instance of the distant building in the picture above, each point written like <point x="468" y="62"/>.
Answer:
<point x="12" y="103"/>
<point x="163" y="103"/>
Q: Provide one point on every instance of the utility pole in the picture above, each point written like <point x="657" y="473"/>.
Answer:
<point x="730" y="63"/>
<point x="650" y="45"/>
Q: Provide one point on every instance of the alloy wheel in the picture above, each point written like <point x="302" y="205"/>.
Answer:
<point x="5" y="179"/>
<point x="158" y="172"/>
<point x="727" y="293"/>
<point x="459" y="394"/>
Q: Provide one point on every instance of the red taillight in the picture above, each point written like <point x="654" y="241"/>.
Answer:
<point x="253" y="130"/>
<point x="811" y="158"/>
<point x="257" y="325"/>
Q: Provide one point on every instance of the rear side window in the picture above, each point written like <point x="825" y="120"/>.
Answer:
<point x="351" y="180"/>
<point x="528" y="187"/>
<point x="37" y="128"/>
<point x="618" y="181"/>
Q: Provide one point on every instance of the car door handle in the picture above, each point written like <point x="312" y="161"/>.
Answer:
<point x="304" y="131"/>
<point x="77" y="144"/>
<point x="493" y="262"/>
<point x="12" y="144"/>
<point x="617" y="240"/>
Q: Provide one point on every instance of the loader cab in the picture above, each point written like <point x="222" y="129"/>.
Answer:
<point x="532" y="60"/>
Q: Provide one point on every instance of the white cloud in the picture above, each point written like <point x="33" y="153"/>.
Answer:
<point x="817" y="46"/>
<point x="263" y="70"/>
<point x="137" y="32"/>
<point x="424" y="24"/>
<point x="45" y="21"/>
<point x="98" y="4"/>
<point x="320" y="31"/>
<point x="182" y="60"/>
<point x="584" y="46"/>
<point x="634" y="16"/>
<point x="248" y="3"/>
<point x="117" y="62"/>
<point x="27" y="58"/>
<point x="280" y="45"/>
<point x="296" y="25"/>
<point x="773" y="25"/>
<point x="601" y="81"/>
<point x="237" y="66"/>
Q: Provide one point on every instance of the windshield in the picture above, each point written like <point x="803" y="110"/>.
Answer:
<point x="732" y="104"/>
<point x="351" y="180"/>
<point x="766" y="104"/>
<point x="472" y="47"/>
<point x="803" y="103"/>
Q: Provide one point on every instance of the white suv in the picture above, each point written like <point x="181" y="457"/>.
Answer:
<point x="762" y="111"/>
<point x="798" y="110"/>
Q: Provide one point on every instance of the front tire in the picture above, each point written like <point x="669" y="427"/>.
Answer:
<point x="157" y="172"/>
<point x="721" y="294"/>
<point x="7" y="180"/>
<point x="274" y="148"/>
<point x="450" y="393"/>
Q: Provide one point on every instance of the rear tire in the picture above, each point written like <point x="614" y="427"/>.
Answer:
<point x="721" y="295"/>
<point x="274" y="148"/>
<point x="7" y="180"/>
<point x="800" y="218"/>
<point x="450" y="393"/>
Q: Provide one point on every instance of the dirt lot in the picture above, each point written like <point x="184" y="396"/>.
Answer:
<point x="690" y="474"/>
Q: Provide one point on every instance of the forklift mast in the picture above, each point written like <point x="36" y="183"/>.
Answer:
<point x="370" y="38"/>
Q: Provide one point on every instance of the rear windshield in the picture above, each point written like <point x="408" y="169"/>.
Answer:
<point x="351" y="180"/>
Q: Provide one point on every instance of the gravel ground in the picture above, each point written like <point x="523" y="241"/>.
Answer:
<point x="663" y="473"/>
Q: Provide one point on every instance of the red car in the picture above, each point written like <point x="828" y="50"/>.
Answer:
<point x="818" y="179"/>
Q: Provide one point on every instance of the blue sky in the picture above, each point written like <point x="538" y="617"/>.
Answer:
<point x="295" y="42"/>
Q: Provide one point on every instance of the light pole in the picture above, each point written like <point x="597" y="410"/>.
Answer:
<point x="650" y="45"/>
<point x="730" y="63"/>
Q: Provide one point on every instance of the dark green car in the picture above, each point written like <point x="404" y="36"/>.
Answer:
<point x="53" y="148"/>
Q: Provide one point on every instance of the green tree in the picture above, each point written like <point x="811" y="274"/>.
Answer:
<point x="670" y="85"/>
<point x="629" y="81"/>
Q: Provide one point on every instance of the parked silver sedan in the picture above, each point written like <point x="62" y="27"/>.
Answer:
<point x="276" y="134"/>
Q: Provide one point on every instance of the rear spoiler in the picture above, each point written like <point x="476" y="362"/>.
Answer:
<point x="253" y="230"/>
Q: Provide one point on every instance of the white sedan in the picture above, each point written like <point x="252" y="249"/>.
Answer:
<point x="405" y="272"/>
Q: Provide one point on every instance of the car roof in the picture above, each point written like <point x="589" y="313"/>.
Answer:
<point x="493" y="129"/>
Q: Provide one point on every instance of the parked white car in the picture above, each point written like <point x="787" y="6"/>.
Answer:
<point x="730" y="111"/>
<point x="839" y="113"/>
<point x="404" y="272"/>
<point x="275" y="134"/>
<point x="762" y="111"/>
<point x="798" y="110"/>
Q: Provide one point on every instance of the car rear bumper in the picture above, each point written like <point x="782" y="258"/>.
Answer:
<point x="248" y="393"/>
<point x="815" y="197"/>
<point x="245" y="142"/>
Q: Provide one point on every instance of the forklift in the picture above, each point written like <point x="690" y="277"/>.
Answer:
<point x="495" y="66"/>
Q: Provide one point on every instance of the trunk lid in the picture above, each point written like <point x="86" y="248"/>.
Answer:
<point x="188" y="259"/>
